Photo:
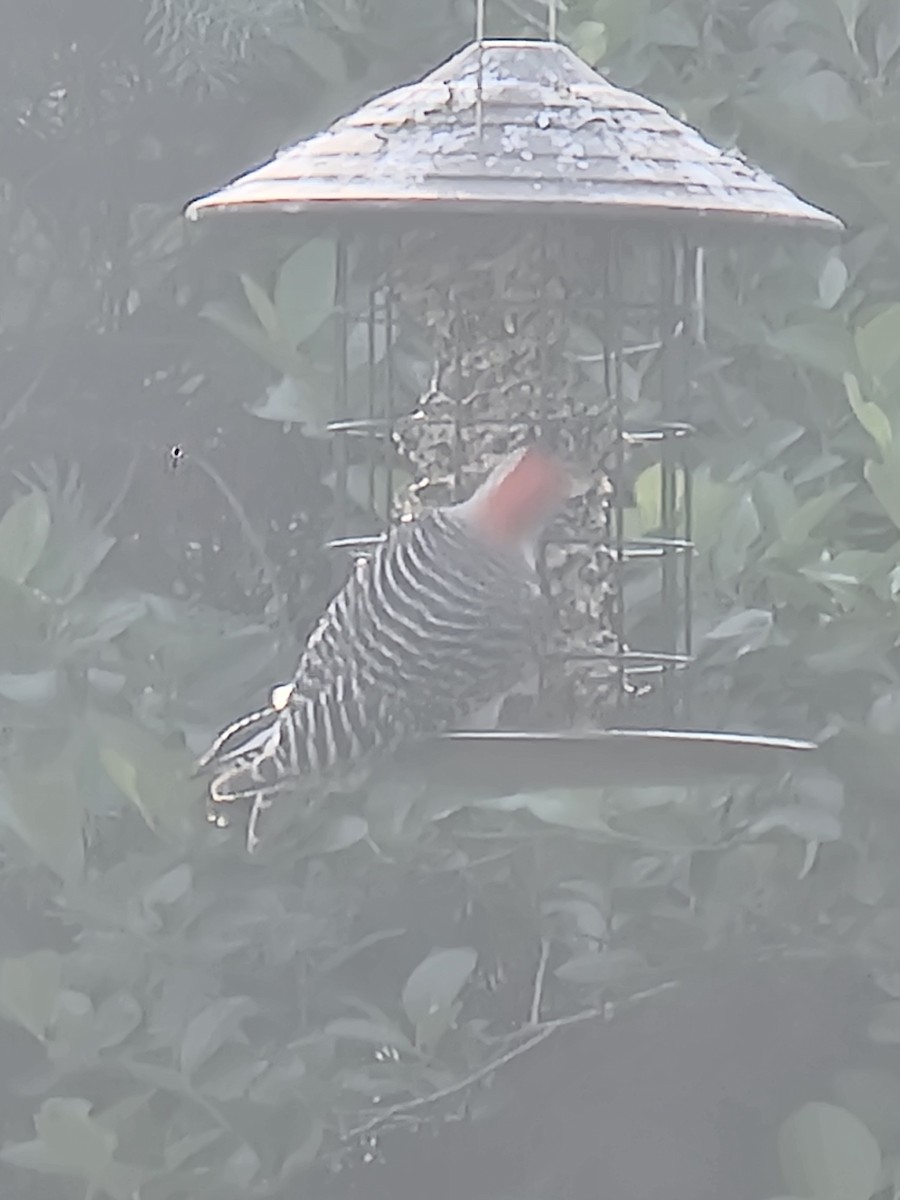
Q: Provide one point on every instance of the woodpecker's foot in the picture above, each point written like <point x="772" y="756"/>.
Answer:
<point x="260" y="804"/>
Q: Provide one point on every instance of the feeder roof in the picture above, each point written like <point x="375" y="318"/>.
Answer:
<point x="514" y="125"/>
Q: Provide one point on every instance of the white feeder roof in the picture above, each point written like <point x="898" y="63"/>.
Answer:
<point x="515" y="125"/>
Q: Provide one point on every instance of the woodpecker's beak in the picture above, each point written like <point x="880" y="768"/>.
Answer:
<point x="580" y="477"/>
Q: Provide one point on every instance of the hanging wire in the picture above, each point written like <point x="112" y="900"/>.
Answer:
<point x="552" y="19"/>
<point x="479" y="87"/>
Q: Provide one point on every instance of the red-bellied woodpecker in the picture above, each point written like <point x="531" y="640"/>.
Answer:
<point x="430" y="633"/>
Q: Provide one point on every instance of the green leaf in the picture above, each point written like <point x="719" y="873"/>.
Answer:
<point x="96" y="624"/>
<point x="878" y="343"/>
<point x="305" y="401"/>
<point x="810" y="824"/>
<point x="33" y="1156"/>
<point x="231" y="1072"/>
<point x="164" y="1078"/>
<point x="873" y="1095"/>
<point x="77" y="545"/>
<point x="73" y="1138"/>
<point x="37" y="688"/>
<point x="74" y="1023"/>
<point x="884" y="1026"/>
<point x="752" y="627"/>
<point x="827" y="1153"/>
<point x="887" y="38"/>
<point x="124" y="775"/>
<point x="152" y="775"/>
<point x="850" y="12"/>
<point x="318" y="51"/>
<point x="738" y="532"/>
<point x="180" y="1152"/>
<point x="577" y="809"/>
<point x="275" y="352"/>
<point x="873" y="420"/>
<point x="588" y="918"/>
<point x="338" y="834"/>
<point x="648" y="496"/>
<point x="824" y="345"/>
<point x="590" y="42"/>
<point x="118" y="1017"/>
<point x="212" y="1028"/>
<point x="305" y="1146"/>
<point x="710" y="502"/>
<point x="304" y="291"/>
<point x="24" y="530"/>
<point x="432" y="1028"/>
<point x="46" y="809"/>
<point x="826" y="96"/>
<point x="284" y="1080"/>
<point x="884" y="480"/>
<point x="436" y="982"/>
<point x="775" y="499"/>
<point x="170" y="887"/>
<point x="673" y="26"/>
<point x="29" y="989"/>
<point x="804" y="520"/>
<point x="263" y="308"/>
<point x="833" y="281"/>
<point x="240" y="1168"/>
<point x="602" y="966"/>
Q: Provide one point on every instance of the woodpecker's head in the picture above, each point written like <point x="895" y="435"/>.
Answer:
<point x="518" y="499"/>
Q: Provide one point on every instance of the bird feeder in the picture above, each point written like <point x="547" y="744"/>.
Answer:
<point x="520" y="253"/>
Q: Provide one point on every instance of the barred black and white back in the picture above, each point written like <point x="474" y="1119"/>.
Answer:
<point x="439" y="623"/>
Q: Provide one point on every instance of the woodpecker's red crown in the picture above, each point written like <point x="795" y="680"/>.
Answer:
<point x="519" y="497"/>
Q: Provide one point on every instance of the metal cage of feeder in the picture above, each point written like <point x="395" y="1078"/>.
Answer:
<point x="502" y="365"/>
<point x="520" y="254"/>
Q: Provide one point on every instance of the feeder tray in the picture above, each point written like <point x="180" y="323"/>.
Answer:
<point x="510" y="762"/>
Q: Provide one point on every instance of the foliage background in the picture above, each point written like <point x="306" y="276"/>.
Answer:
<point x="180" y="1023"/>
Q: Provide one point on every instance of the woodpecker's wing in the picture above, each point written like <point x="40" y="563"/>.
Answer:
<point x="429" y="629"/>
<point x="435" y="622"/>
<point x="442" y="621"/>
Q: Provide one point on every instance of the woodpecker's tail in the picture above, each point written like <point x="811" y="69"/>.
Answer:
<point x="246" y="762"/>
